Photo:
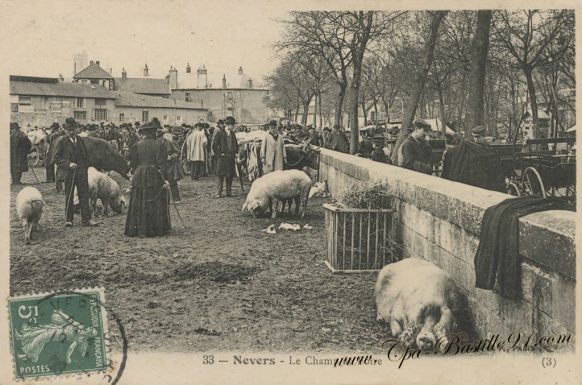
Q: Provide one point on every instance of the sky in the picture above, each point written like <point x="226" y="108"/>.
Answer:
<point x="223" y="36"/>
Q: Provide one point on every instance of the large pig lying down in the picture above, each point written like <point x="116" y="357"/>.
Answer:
<point x="104" y="188"/>
<point x="267" y="190"/>
<point x="421" y="304"/>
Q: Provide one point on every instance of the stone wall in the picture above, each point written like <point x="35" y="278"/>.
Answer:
<point x="440" y="221"/>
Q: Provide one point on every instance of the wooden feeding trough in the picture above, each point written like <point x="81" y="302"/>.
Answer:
<point x="359" y="240"/>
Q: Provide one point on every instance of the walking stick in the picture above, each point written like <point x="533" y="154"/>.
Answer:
<point x="32" y="169"/>
<point x="240" y="177"/>
<point x="173" y="203"/>
<point x="70" y="193"/>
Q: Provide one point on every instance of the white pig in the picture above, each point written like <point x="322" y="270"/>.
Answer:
<point x="29" y="205"/>
<point x="421" y="303"/>
<point x="103" y="187"/>
<point x="267" y="190"/>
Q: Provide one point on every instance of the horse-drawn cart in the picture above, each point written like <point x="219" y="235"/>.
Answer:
<point x="542" y="167"/>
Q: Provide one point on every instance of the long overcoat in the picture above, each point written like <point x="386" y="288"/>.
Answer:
<point x="225" y="165"/>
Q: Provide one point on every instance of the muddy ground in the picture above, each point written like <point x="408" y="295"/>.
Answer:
<point x="219" y="284"/>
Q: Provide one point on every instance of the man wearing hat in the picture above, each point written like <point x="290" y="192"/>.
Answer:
<point x="72" y="159"/>
<point x="338" y="140"/>
<point x="325" y="137"/>
<point x="20" y="146"/>
<point x="273" y="154"/>
<point x="474" y="163"/>
<point x="55" y="133"/>
<point x="173" y="167"/>
<point x="195" y="149"/>
<point x="225" y="147"/>
<point x="416" y="152"/>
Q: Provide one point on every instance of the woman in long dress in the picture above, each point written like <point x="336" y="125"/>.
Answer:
<point x="148" y="214"/>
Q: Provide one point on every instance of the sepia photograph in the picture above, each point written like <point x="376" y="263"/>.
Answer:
<point x="218" y="192"/>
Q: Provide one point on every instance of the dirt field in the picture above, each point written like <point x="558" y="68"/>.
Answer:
<point x="220" y="284"/>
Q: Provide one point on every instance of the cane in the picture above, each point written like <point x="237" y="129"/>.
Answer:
<point x="32" y="169"/>
<point x="71" y="192"/>
<point x="173" y="203"/>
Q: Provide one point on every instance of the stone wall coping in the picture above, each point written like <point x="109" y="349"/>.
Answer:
<point x="464" y="206"/>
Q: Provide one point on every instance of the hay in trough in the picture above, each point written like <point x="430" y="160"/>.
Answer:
<point x="370" y="195"/>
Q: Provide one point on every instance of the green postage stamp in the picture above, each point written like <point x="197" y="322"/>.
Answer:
<point x="58" y="333"/>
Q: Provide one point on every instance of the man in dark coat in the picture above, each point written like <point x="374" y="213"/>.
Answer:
<point x="49" y="159"/>
<point x="20" y="146"/>
<point x="72" y="159"/>
<point x="416" y="152"/>
<point x="474" y="163"/>
<point x="225" y="147"/>
<point x="173" y="167"/>
<point x="338" y="140"/>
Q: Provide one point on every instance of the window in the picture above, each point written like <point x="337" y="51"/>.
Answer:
<point x="121" y="117"/>
<point x="24" y="100"/>
<point x="14" y="107"/>
<point x="80" y="103"/>
<point x="94" y="81"/>
<point x="229" y="94"/>
<point x="165" y="117"/>
<point x="100" y="114"/>
<point x="145" y="116"/>
<point x="80" y="115"/>
<point x="178" y="119"/>
<point x="100" y="102"/>
<point x="188" y="97"/>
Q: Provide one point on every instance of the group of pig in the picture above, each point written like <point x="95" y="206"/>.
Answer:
<point x="30" y="203"/>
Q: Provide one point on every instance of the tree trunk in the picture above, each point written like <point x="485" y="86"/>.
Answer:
<point x="340" y="104"/>
<point x="320" y="109"/>
<point x="442" y="111"/>
<point x="365" y="112"/>
<point x="420" y="81"/>
<point x="478" y="71"/>
<point x="532" y="100"/>
<point x="315" y="112"/>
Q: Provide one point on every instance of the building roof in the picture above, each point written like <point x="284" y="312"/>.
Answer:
<point x="60" y="89"/>
<point x="93" y="72"/>
<point x="128" y="99"/>
<point x="143" y="86"/>
<point x="33" y="79"/>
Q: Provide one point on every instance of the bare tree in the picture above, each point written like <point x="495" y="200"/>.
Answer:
<point x="420" y="80"/>
<point x="527" y="36"/>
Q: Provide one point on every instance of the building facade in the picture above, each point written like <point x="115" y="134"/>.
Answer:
<point x="42" y="101"/>
<point x="246" y="105"/>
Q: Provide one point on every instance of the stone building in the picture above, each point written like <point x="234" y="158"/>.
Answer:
<point x="94" y="74"/>
<point x="39" y="101"/>
<point x="236" y="95"/>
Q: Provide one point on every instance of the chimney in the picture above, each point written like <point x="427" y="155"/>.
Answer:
<point x="202" y="77"/>
<point x="223" y="80"/>
<point x="91" y="62"/>
<point x="173" y="78"/>
<point x="240" y="71"/>
<point x="123" y="73"/>
<point x="250" y="83"/>
<point x="145" y="71"/>
<point x="97" y="62"/>
<point x="188" y="69"/>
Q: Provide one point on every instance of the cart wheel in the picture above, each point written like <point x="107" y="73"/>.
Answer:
<point x="512" y="188"/>
<point x="532" y="183"/>
<point x="184" y="160"/>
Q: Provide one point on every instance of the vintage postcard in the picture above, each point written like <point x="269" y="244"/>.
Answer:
<point x="323" y="192"/>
